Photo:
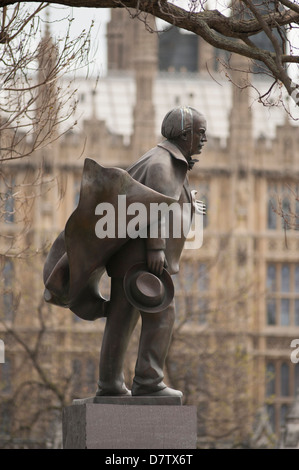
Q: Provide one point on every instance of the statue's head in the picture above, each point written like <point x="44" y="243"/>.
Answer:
<point x="186" y="128"/>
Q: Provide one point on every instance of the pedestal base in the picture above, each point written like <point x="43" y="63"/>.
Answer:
<point x="128" y="426"/>
<point x="129" y="400"/>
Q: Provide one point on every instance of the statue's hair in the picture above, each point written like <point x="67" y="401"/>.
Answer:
<point x="177" y="121"/>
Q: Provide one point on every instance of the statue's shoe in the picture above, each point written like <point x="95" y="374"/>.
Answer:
<point x="113" y="392"/>
<point x="165" y="392"/>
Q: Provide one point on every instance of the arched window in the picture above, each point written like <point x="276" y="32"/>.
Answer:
<point x="283" y="414"/>
<point x="282" y="300"/>
<point x="285" y="278"/>
<point x="271" y="215"/>
<point x="286" y="211"/>
<point x="271" y="277"/>
<point x="271" y="312"/>
<point x="284" y="380"/>
<point x="270" y="379"/>
<point x="285" y="312"/>
<point x="271" y="416"/>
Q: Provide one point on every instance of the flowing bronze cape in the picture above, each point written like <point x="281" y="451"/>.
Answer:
<point x="77" y="258"/>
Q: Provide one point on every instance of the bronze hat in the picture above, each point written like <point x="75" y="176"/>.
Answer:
<point x="146" y="291"/>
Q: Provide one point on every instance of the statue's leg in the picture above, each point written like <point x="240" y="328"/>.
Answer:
<point x="120" y="323"/>
<point x="156" y="332"/>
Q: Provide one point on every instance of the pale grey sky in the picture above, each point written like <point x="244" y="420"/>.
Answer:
<point x="82" y="19"/>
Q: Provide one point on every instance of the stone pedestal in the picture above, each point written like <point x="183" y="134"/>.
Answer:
<point x="129" y="423"/>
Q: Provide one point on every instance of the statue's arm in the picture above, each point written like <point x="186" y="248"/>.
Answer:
<point x="161" y="177"/>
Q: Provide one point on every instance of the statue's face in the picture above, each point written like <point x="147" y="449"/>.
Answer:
<point x="198" y="136"/>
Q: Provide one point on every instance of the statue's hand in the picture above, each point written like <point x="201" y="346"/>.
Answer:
<point x="156" y="261"/>
<point x="199" y="206"/>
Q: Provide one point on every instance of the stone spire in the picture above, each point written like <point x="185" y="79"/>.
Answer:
<point x="206" y="54"/>
<point x="133" y="46"/>
<point x="47" y="106"/>
<point x="240" y="142"/>
<point x="145" y="68"/>
<point x="120" y="40"/>
<point x="241" y="137"/>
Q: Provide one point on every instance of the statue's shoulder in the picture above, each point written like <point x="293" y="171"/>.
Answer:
<point x="155" y="156"/>
<point x="172" y="150"/>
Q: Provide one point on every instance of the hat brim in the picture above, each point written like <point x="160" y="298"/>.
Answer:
<point x="165" y="279"/>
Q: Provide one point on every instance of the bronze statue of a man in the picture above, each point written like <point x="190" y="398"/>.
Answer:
<point x="140" y="268"/>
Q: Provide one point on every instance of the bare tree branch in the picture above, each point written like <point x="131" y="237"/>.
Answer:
<point x="233" y="33"/>
<point x="32" y="103"/>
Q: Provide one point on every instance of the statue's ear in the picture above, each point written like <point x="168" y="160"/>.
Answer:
<point x="184" y="135"/>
